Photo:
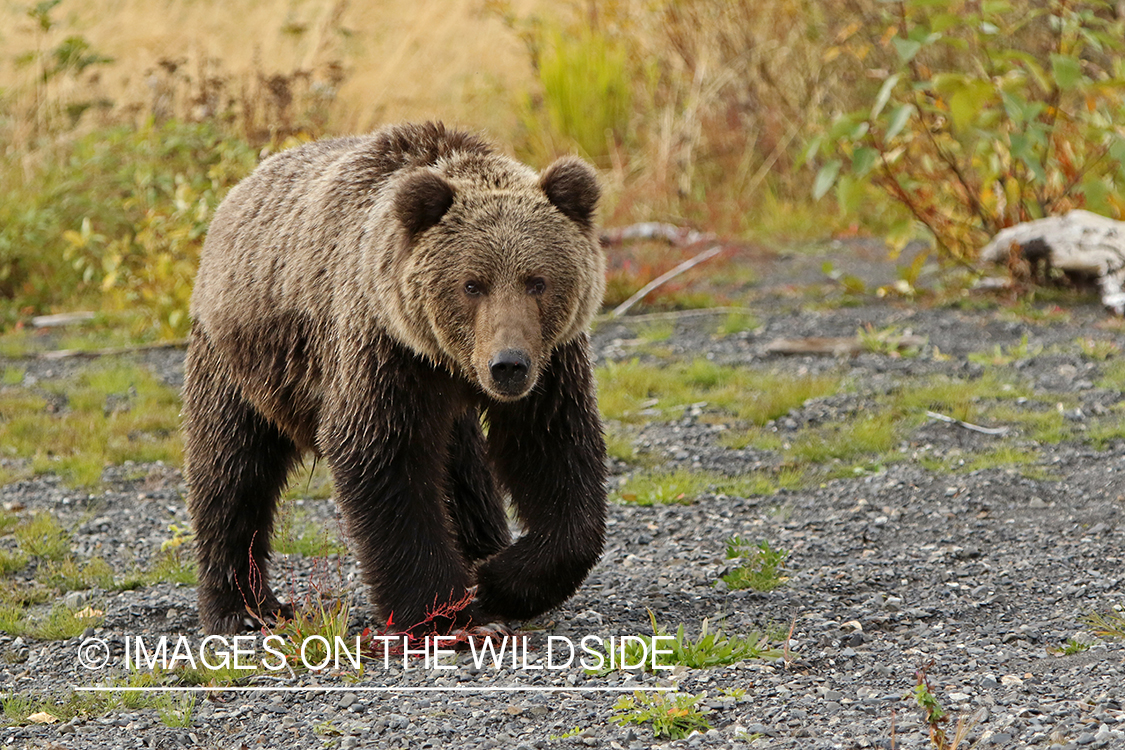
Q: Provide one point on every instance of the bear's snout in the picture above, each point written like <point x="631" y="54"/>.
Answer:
<point x="509" y="370"/>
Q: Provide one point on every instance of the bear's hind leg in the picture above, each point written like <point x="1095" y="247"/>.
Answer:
<point x="236" y="463"/>
<point x="475" y="503"/>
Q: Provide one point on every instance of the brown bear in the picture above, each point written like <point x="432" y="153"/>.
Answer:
<point x="372" y="300"/>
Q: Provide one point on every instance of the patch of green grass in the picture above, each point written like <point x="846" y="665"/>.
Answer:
<point x="710" y="649"/>
<point x="672" y="715"/>
<point x="11" y="561"/>
<point x="683" y="486"/>
<point x="105" y="331"/>
<point x="756" y="437"/>
<point x="24" y="594"/>
<point x="680" y="486"/>
<point x="12" y="375"/>
<point x="315" y="484"/>
<point x="18" y="706"/>
<point x="8" y="521"/>
<point x="1043" y="425"/>
<point x="960" y="398"/>
<point x="761" y="567"/>
<point x="297" y="534"/>
<point x="1107" y="624"/>
<point x="41" y="536"/>
<point x="717" y="649"/>
<point x="60" y="623"/>
<point x="1105" y="431"/>
<point x="1025" y="310"/>
<point x="172" y="566"/>
<point x="935" y="464"/>
<point x="1000" y="356"/>
<point x="325" y="617"/>
<point x="220" y="674"/>
<point x="619" y="445"/>
<point x="71" y="575"/>
<point x="16" y="343"/>
<point x="737" y="322"/>
<point x="655" y="331"/>
<point x="871" y="433"/>
<point x="113" y="412"/>
<point x="1113" y="376"/>
<point x="890" y="341"/>
<point x="1074" y="646"/>
<point x="1098" y="349"/>
<point x="176" y="710"/>
<point x="1002" y="456"/>
<point x="625" y="389"/>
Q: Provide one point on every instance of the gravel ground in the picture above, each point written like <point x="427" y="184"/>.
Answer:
<point x="978" y="577"/>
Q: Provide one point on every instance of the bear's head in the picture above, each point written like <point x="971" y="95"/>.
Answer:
<point x="496" y="265"/>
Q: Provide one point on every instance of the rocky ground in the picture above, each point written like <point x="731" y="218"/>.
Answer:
<point x="980" y="578"/>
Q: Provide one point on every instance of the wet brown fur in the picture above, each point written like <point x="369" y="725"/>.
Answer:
<point x="331" y="315"/>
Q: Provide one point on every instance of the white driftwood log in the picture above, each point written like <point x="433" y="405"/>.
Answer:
<point x="1078" y="242"/>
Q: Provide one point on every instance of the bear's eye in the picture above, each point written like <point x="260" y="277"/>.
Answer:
<point x="474" y="288"/>
<point x="536" y="286"/>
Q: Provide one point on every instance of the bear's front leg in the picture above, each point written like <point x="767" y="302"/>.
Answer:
<point x="475" y="503"/>
<point x="549" y="451"/>
<point x="385" y="432"/>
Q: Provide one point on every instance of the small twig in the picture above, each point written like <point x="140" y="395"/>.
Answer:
<point x="967" y="425"/>
<point x="110" y="352"/>
<point x="786" y="656"/>
<point x="643" y="291"/>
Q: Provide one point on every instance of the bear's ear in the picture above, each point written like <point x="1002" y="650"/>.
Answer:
<point x="421" y="200"/>
<point x="572" y="186"/>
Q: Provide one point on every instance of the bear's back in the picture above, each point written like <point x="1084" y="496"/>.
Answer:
<point x="281" y="238"/>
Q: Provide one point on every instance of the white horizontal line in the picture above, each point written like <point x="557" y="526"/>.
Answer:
<point x="357" y="689"/>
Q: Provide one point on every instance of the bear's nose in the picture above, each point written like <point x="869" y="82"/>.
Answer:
<point x="509" y="370"/>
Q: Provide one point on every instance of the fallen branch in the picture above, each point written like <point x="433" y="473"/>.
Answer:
<point x="838" y="345"/>
<point x="61" y="319"/>
<point x="654" y="230"/>
<point x="664" y="278"/>
<point x="109" y="352"/>
<point x="967" y="425"/>
<point x="697" y="312"/>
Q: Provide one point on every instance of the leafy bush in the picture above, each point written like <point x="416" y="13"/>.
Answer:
<point x="120" y="212"/>
<point x="990" y="113"/>
<point x="675" y="715"/>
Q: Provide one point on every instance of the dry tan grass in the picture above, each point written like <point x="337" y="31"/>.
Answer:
<point x="404" y="59"/>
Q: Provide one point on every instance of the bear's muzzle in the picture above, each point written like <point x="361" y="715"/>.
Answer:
<point x="509" y="370"/>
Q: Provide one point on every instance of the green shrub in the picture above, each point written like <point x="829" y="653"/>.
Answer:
<point x="587" y="89"/>
<point x="117" y="216"/>
<point x="990" y="113"/>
